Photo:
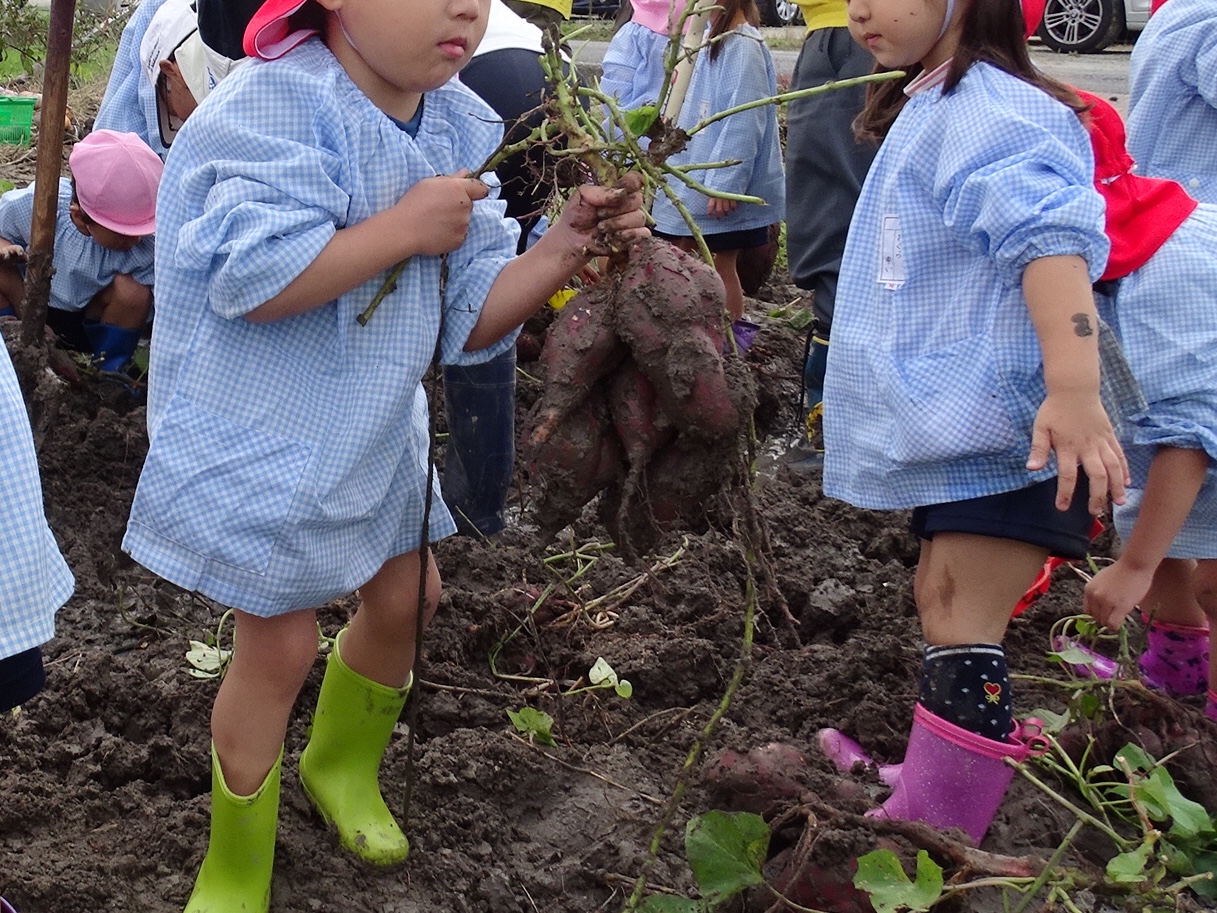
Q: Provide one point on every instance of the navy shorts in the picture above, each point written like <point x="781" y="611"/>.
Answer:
<point x="1024" y="515"/>
<point x="21" y="677"/>
<point x="727" y="240"/>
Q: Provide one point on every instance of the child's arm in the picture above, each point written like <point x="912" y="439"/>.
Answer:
<point x="1071" y="421"/>
<point x="1175" y="477"/>
<point x="590" y="216"/>
<point x="431" y="219"/>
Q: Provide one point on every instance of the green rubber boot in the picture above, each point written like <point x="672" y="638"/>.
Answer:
<point x="235" y="875"/>
<point x="340" y="765"/>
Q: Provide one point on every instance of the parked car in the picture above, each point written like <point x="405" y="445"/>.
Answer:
<point x="594" y="9"/>
<point x="780" y="12"/>
<point x="1087" y="26"/>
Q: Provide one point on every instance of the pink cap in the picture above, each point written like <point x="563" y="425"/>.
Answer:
<point x="116" y="180"/>
<point x="270" y="34"/>
<point x="657" y="15"/>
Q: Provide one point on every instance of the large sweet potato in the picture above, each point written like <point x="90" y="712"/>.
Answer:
<point x="640" y="424"/>
<point x="578" y="459"/>
<point x="580" y="348"/>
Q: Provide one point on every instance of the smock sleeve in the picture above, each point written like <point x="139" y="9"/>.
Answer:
<point x="1187" y="423"/>
<point x="744" y="78"/>
<point x="17" y="215"/>
<point x="1020" y="187"/>
<point x="273" y="204"/>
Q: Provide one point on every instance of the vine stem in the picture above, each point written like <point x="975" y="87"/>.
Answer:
<point x="695" y="752"/>
<point x="1042" y="880"/>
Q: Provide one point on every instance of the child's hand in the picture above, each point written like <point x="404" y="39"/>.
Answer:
<point x="436" y="212"/>
<point x="598" y="220"/>
<point x="1115" y="591"/>
<point x="717" y="208"/>
<point x="12" y="253"/>
<point x="1076" y="427"/>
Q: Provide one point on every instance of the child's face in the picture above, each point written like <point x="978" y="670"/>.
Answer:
<point x="903" y="32"/>
<point x="395" y="50"/>
<point x="106" y="237"/>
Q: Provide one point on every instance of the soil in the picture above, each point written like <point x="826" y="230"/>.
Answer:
<point x="104" y="777"/>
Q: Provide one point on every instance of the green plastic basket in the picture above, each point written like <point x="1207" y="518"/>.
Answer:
<point x="16" y="119"/>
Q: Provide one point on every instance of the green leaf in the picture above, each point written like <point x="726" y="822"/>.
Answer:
<point x="624" y="689"/>
<point x="1205" y="863"/>
<point x="1089" y="705"/>
<point x="664" y="903"/>
<point x="6" y="186"/>
<point x="1054" y="723"/>
<point x="534" y="723"/>
<point x="638" y="120"/>
<point x="726" y="851"/>
<point x="1073" y="655"/>
<point x="882" y="877"/>
<point x="601" y="671"/>
<point x="1129" y="868"/>
<point x="1160" y="796"/>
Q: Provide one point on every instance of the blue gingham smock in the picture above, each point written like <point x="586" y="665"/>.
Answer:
<point x="129" y="105"/>
<point x="1165" y="316"/>
<point x="742" y="73"/>
<point x="288" y="461"/>
<point x="935" y="375"/>
<point x="82" y="266"/>
<point x="34" y="578"/>
<point x="632" y="68"/>
<point x="1172" y="101"/>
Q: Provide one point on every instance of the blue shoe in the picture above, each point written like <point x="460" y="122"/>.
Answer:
<point x="112" y="346"/>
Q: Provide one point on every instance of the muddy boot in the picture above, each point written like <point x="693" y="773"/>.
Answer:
<point x="807" y="455"/>
<point x="112" y="346"/>
<point x="1176" y="659"/>
<point x="846" y="754"/>
<point x="341" y="763"/>
<point x="952" y="777"/>
<point x="235" y="875"/>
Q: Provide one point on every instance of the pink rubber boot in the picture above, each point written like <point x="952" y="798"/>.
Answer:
<point x="1176" y="659"/>
<point x="952" y="777"/>
<point x="845" y="754"/>
<point x="1100" y="666"/>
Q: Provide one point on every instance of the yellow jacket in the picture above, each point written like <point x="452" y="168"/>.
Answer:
<point x="823" y="14"/>
<point x="562" y="6"/>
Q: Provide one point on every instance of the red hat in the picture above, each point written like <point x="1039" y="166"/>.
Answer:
<point x="270" y="34"/>
<point x="1141" y="212"/>
<point x="1033" y="15"/>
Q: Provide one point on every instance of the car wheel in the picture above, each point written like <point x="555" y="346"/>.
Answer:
<point x="780" y="12"/>
<point x="1082" y="26"/>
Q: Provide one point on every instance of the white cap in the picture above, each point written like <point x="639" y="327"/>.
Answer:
<point x="173" y="32"/>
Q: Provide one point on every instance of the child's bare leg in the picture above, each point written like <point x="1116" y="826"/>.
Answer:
<point x="966" y="585"/>
<point x="725" y="264"/>
<point x="1172" y="597"/>
<point x="12" y="288"/>
<point x="270" y="661"/>
<point x="379" y="644"/>
<point x="123" y="303"/>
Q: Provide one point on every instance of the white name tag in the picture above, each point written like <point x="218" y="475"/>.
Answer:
<point x="891" y="254"/>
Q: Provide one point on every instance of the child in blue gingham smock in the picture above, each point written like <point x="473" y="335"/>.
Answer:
<point x="34" y="579"/>
<point x="633" y="69"/>
<point x="963" y="376"/>
<point x="734" y="70"/>
<point x="1162" y="309"/>
<point x="127" y="106"/>
<point x="287" y="461"/>
<point x="1172" y="97"/>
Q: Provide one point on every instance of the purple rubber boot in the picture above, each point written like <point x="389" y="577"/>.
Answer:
<point x="952" y="777"/>
<point x="845" y="754"/>
<point x="1176" y="659"/>
<point x="6" y="907"/>
<point x="1100" y="666"/>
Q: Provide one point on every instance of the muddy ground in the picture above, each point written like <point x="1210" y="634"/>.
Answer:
<point x="104" y="777"/>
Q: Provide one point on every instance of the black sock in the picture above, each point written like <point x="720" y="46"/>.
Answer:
<point x="968" y="685"/>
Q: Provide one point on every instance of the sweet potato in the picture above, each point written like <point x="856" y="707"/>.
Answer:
<point x="580" y="348"/>
<point x="669" y="311"/>
<point x="578" y="459"/>
<point x="640" y="424"/>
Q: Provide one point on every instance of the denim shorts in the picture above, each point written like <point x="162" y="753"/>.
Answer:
<point x="1024" y="515"/>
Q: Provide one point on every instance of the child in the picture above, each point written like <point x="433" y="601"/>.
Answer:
<point x="633" y="64"/>
<point x="34" y="579"/>
<point x="1172" y="108"/>
<point x="964" y="354"/>
<point x="825" y="167"/>
<point x="101" y="292"/>
<point x="124" y="107"/>
<point x="288" y="443"/>
<point x="734" y="69"/>
<point x="1162" y="255"/>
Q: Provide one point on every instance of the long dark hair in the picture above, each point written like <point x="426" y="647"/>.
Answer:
<point x="724" y="15"/>
<point x="993" y="33"/>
